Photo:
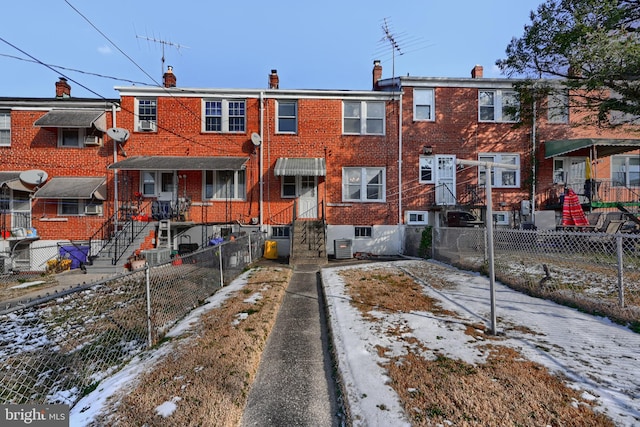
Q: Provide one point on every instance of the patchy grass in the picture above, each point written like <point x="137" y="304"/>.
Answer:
<point x="208" y="375"/>
<point x="505" y="389"/>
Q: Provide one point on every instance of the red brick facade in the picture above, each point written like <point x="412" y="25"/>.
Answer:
<point x="454" y="130"/>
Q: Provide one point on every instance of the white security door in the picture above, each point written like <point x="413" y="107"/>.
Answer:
<point x="308" y="199"/>
<point x="445" y="180"/>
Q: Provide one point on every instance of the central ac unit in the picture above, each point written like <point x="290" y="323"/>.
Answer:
<point x="147" y="125"/>
<point x="91" y="140"/>
<point x="93" y="209"/>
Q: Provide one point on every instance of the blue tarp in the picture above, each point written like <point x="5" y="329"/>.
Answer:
<point x="77" y="254"/>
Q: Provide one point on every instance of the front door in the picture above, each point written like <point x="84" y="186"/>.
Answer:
<point x="445" y="180"/>
<point x="308" y="197"/>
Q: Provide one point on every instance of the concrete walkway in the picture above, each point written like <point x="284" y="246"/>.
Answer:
<point x="294" y="384"/>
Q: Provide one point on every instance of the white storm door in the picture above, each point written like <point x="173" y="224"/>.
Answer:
<point x="445" y="180"/>
<point x="308" y="199"/>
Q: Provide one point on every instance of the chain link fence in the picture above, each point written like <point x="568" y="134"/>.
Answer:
<point x="58" y="348"/>
<point x="595" y="272"/>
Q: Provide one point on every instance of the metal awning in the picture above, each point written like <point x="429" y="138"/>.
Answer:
<point x="73" y="119"/>
<point x="172" y="163"/>
<point x="12" y="180"/>
<point x="287" y="166"/>
<point x="604" y="147"/>
<point x="73" y="188"/>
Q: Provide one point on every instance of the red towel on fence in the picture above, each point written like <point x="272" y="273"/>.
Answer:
<point x="572" y="213"/>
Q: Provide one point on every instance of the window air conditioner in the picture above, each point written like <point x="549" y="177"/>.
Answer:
<point x="147" y="125"/>
<point x="93" y="209"/>
<point x="91" y="140"/>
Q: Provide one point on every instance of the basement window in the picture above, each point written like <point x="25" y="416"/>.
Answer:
<point x="363" y="232"/>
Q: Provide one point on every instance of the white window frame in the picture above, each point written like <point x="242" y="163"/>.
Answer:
<point x="79" y="132"/>
<point x="499" y="174"/>
<point x="160" y="185"/>
<point x="558" y="107"/>
<point x="502" y="218"/>
<point x="280" y="231"/>
<point x="284" y="116"/>
<point x="358" y="177"/>
<point x="501" y="99"/>
<point x="426" y="163"/>
<point x="416" y="217"/>
<point x="231" y="121"/>
<point x="362" y="116"/>
<point x="5" y="129"/>
<point x="423" y="99"/>
<point x="625" y="168"/>
<point x="146" y="110"/>
<point x="363" y="232"/>
<point x="238" y="186"/>
<point x="78" y="203"/>
<point x="289" y="182"/>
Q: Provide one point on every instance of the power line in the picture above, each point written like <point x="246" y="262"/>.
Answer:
<point x="89" y="73"/>
<point x="51" y="68"/>
<point x="112" y="43"/>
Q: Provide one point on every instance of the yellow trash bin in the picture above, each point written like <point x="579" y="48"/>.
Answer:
<point x="271" y="249"/>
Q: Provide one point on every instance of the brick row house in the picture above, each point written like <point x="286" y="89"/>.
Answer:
<point x="310" y="168"/>
<point x="449" y="119"/>
<point x="52" y="178"/>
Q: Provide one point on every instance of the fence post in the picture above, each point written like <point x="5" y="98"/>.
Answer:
<point x="619" y="253"/>
<point x="249" y="236"/>
<point x="220" y="260"/>
<point x="147" y="279"/>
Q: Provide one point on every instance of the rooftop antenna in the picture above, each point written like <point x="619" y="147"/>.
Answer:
<point x="163" y="43"/>
<point x="393" y="42"/>
<point x="389" y="38"/>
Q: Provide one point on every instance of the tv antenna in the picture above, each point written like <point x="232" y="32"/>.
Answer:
<point x="163" y="43"/>
<point x="409" y="44"/>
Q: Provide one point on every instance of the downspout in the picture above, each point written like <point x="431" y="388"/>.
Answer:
<point x="400" y="167"/>
<point x="533" y="162"/>
<point x="261" y="162"/>
<point x="400" y="159"/>
<point x="115" y="171"/>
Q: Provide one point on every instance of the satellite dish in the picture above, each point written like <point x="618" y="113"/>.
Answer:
<point x="256" y="139"/>
<point x="33" y="177"/>
<point x="118" y="134"/>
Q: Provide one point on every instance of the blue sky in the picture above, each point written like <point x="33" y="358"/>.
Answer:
<point x="325" y="44"/>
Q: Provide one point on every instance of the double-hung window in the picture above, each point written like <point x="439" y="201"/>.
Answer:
<point x="225" y="184"/>
<point x="5" y="129"/>
<point x="224" y="115"/>
<point x="426" y="170"/>
<point x="147" y="114"/>
<point x="287" y="117"/>
<point x="558" y="107"/>
<point x="69" y="207"/>
<point x="71" y="137"/>
<point x="498" y="106"/>
<point x="155" y="183"/>
<point x="501" y="177"/>
<point x="423" y="105"/>
<point x="625" y="171"/>
<point x="363" y="184"/>
<point x="363" y="117"/>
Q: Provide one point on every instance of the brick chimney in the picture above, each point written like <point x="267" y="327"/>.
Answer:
<point x="476" y="72"/>
<point x="63" y="90"/>
<point x="274" y="80"/>
<point x="377" y="73"/>
<point x="169" y="79"/>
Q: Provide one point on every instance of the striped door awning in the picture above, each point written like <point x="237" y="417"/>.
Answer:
<point x="288" y="166"/>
